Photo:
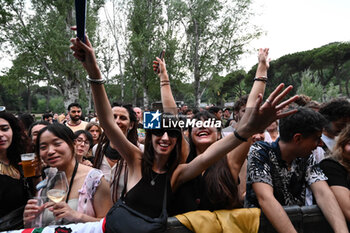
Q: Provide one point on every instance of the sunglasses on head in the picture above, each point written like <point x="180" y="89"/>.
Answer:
<point x="173" y="133"/>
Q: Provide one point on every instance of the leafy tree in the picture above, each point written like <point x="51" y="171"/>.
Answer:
<point x="310" y="86"/>
<point x="330" y="63"/>
<point x="40" y="29"/>
<point x="144" y="44"/>
<point x="112" y="50"/>
<point x="216" y="33"/>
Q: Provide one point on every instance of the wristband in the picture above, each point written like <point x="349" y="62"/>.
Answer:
<point x="239" y="136"/>
<point x="261" y="78"/>
<point x="95" y="81"/>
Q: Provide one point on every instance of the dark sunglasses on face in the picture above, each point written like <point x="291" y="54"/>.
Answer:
<point x="173" y="133"/>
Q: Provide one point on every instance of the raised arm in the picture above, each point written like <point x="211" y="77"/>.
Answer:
<point x="85" y="54"/>
<point x="258" y="119"/>
<point x="168" y="101"/>
<point x="237" y="157"/>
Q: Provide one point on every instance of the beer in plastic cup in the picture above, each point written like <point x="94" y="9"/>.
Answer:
<point x="28" y="164"/>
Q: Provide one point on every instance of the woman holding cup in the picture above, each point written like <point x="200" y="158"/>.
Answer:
<point x="13" y="142"/>
<point x="88" y="195"/>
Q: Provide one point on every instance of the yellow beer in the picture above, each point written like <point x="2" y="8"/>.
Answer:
<point x="28" y="164"/>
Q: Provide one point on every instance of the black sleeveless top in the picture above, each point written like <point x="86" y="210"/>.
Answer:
<point x="148" y="199"/>
<point x="12" y="194"/>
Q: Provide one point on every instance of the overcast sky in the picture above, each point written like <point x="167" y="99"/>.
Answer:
<point x="298" y="25"/>
<point x="292" y="26"/>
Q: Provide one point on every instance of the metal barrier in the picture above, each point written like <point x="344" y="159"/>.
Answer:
<point x="306" y="219"/>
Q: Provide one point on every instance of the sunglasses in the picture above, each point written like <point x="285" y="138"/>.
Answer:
<point x="173" y="133"/>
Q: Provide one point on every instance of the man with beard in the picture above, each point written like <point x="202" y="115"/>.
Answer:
<point x="75" y="123"/>
<point x="279" y="173"/>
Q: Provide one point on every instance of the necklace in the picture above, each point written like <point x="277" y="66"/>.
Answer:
<point x="153" y="181"/>
<point x="7" y="169"/>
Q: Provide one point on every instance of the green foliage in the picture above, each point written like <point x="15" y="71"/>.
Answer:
<point x="329" y="63"/>
<point x="331" y="91"/>
<point x="39" y="32"/>
<point x="216" y="35"/>
<point x="310" y="86"/>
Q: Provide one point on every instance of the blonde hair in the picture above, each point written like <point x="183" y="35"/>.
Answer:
<point x="340" y="142"/>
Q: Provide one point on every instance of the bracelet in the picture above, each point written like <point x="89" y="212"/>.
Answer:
<point x="261" y="78"/>
<point x="95" y="81"/>
<point x="164" y="84"/>
<point x="239" y="136"/>
<point x="165" y="81"/>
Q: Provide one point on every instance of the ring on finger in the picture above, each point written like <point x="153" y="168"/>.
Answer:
<point x="268" y="101"/>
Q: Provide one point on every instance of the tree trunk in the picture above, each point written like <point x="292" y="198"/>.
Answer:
<point x="121" y="71"/>
<point x="48" y="98"/>
<point x="134" y="93"/>
<point x="71" y="91"/>
<point x="144" y="83"/>
<point x="29" y="99"/>
<point x="196" y="65"/>
<point x="347" y="87"/>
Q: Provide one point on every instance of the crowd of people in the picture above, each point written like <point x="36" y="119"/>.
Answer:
<point x="267" y="154"/>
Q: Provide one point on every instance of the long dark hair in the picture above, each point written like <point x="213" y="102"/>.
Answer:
<point x="104" y="141"/>
<point x="203" y="115"/>
<point x="148" y="155"/>
<point x="221" y="188"/>
<point x="20" y="142"/>
<point x="59" y="130"/>
<point x="103" y="145"/>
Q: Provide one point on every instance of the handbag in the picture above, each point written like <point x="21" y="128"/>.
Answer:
<point x="12" y="220"/>
<point x="123" y="219"/>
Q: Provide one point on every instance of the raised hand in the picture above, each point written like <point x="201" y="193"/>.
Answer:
<point x="159" y="67"/>
<point x="263" y="57"/>
<point x="262" y="115"/>
<point x="86" y="55"/>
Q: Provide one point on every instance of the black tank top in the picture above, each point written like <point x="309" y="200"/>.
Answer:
<point x="146" y="198"/>
<point x="12" y="194"/>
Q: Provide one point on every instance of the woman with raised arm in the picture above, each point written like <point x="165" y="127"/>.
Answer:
<point x="217" y="187"/>
<point x="108" y="159"/>
<point x="148" y="171"/>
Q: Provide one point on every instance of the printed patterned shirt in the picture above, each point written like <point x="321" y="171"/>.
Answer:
<point x="265" y="165"/>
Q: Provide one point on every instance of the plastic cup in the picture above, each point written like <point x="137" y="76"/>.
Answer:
<point x="37" y="222"/>
<point x="28" y="164"/>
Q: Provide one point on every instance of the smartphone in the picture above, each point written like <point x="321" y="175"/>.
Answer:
<point x="161" y="56"/>
<point x="80" y="17"/>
